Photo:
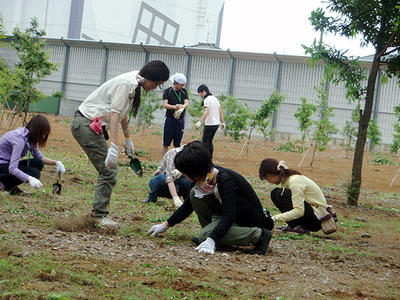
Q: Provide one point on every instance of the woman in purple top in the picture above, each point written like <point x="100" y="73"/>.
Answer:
<point x="14" y="145"/>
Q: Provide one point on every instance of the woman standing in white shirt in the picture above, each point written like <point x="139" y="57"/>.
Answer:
<point x="102" y="110"/>
<point x="212" y="116"/>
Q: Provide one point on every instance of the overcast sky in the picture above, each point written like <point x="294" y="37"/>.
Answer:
<point x="280" y="26"/>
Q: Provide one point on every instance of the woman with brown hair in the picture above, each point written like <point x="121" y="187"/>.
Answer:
<point x="297" y="198"/>
<point x="14" y="145"/>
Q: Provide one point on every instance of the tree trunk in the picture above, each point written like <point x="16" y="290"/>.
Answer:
<point x="353" y="190"/>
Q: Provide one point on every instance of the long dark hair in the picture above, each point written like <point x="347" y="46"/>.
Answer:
<point x="39" y="130"/>
<point x="270" y="166"/>
<point x="194" y="160"/>
<point x="203" y="88"/>
<point x="155" y="70"/>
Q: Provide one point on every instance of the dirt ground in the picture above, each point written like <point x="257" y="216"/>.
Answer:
<point x="329" y="168"/>
<point x="362" y="261"/>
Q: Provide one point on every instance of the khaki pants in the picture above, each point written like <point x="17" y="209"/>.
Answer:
<point x="208" y="210"/>
<point x="96" y="148"/>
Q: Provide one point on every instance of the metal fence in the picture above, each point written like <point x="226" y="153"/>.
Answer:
<point x="250" y="77"/>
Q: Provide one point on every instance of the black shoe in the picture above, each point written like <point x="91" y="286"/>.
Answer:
<point x="16" y="191"/>
<point x="196" y="240"/>
<point x="263" y="242"/>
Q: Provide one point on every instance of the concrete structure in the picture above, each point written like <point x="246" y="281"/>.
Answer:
<point x="167" y="22"/>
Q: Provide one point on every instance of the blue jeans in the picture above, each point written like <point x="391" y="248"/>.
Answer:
<point x="159" y="188"/>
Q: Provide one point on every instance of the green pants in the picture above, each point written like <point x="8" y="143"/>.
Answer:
<point x="96" y="149"/>
<point x="208" y="210"/>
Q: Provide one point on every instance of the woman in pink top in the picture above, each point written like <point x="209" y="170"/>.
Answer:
<point x="14" y="145"/>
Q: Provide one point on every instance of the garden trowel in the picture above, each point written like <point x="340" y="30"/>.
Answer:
<point x="57" y="186"/>
<point x="136" y="165"/>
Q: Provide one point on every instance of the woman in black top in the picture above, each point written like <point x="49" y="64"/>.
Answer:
<point x="228" y="209"/>
<point x="175" y="101"/>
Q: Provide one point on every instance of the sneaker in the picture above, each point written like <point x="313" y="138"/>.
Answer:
<point x="299" y="230"/>
<point x="284" y="228"/>
<point x="107" y="223"/>
<point x="262" y="244"/>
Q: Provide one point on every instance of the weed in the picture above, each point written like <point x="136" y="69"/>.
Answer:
<point x="297" y="146"/>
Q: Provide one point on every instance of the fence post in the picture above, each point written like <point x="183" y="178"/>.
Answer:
<point x="146" y="56"/>
<point x="104" y="69"/>
<point x="188" y="65"/>
<point x="231" y="76"/>
<point x="65" y="71"/>
<point x="278" y="88"/>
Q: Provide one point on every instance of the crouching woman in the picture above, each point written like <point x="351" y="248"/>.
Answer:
<point x="14" y="145"/>
<point x="228" y="209"/>
<point x="297" y="198"/>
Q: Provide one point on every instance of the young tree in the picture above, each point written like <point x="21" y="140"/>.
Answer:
<point x="373" y="133"/>
<point x="303" y="114"/>
<point x="323" y="128"/>
<point x="33" y="63"/>
<point x="377" y="23"/>
<point x="350" y="129"/>
<point x="196" y="107"/>
<point x="261" y="119"/>
<point x="236" y="116"/>
<point x="395" y="147"/>
<point x="150" y="103"/>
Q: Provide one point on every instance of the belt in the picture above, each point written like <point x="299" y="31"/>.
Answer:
<point x="78" y="112"/>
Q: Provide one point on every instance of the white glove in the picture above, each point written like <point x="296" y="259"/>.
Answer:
<point x="208" y="246"/>
<point x="177" y="201"/>
<point x="176" y="173"/>
<point x="198" y="124"/>
<point x="178" y="113"/>
<point x="60" y="168"/>
<point x="34" y="182"/>
<point x="130" y="149"/>
<point x="112" y="156"/>
<point x="273" y="219"/>
<point x="223" y="125"/>
<point x="156" y="229"/>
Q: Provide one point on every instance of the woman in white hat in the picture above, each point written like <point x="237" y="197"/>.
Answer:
<point x="175" y="101"/>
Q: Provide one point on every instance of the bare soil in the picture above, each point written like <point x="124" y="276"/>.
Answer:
<point x="355" y="263"/>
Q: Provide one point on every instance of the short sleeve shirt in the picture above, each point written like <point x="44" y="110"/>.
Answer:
<point x="175" y="97"/>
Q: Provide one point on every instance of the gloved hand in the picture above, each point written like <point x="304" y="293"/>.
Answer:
<point x="176" y="173"/>
<point x="129" y="148"/>
<point x="60" y="169"/>
<point x="223" y="125"/>
<point x="112" y="156"/>
<point x="273" y="219"/>
<point x="156" y="229"/>
<point x="208" y="246"/>
<point x="177" y="201"/>
<point x="178" y="113"/>
<point x="198" y="124"/>
<point x="34" y="182"/>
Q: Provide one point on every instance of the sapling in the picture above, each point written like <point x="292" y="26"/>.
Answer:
<point x="150" y="103"/>
<point x="261" y="119"/>
<point x="236" y="116"/>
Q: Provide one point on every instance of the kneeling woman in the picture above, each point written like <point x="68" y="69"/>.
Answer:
<point x="14" y="145"/>
<point x="297" y="198"/>
<point x="228" y="209"/>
